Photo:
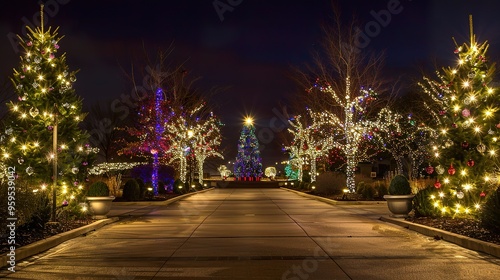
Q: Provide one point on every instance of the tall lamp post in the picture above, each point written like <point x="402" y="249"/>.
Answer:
<point x="54" y="167"/>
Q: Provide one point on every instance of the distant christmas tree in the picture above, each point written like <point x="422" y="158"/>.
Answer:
<point x="248" y="165"/>
<point x="44" y="85"/>
<point x="467" y="113"/>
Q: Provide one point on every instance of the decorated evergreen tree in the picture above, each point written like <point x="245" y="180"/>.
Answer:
<point x="47" y="109"/>
<point x="248" y="164"/>
<point x="466" y="110"/>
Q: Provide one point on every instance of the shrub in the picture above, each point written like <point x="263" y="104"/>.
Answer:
<point x="490" y="215"/>
<point x="98" y="188"/>
<point x="131" y="191"/>
<point x="34" y="208"/>
<point x="423" y="205"/>
<point x="142" y="188"/>
<point x="368" y="192"/>
<point x="41" y="216"/>
<point x="360" y="187"/>
<point x="399" y="186"/>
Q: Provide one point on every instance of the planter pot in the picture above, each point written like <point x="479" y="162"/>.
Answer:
<point x="99" y="206"/>
<point x="399" y="205"/>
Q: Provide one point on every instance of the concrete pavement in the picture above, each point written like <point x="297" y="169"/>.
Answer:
<point x="255" y="234"/>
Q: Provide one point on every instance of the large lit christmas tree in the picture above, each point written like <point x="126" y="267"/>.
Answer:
<point x="47" y="114"/>
<point x="466" y="110"/>
<point x="248" y="164"/>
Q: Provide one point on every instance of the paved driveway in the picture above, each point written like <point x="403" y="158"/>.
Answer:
<point x="256" y="234"/>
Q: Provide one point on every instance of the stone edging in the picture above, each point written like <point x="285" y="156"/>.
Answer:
<point x="460" y="240"/>
<point x="331" y="201"/>
<point x="464" y="241"/>
<point x="50" y="242"/>
<point x="174" y="199"/>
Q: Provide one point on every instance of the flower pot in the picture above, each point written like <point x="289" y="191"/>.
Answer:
<point x="99" y="206"/>
<point x="399" y="205"/>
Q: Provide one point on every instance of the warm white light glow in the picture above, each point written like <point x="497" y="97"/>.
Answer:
<point x="248" y="121"/>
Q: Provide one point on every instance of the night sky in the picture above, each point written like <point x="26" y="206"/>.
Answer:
<point x="250" y="53"/>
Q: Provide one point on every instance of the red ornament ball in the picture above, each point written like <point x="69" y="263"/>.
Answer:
<point x="482" y="194"/>
<point x="437" y="185"/>
<point x="454" y="125"/>
<point x="470" y="163"/>
<point x="429" y="170"/>
<point x="451" y="170"/>
<point x="465" y="145"/>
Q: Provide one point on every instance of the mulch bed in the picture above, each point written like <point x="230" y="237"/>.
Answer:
<point x="467" y="227"/>
<point x="27" y="235"/>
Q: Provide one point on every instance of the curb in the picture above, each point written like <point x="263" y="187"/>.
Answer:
<point x="48" y="243"/>
<point x="460" y="240"/>
<point x="332" y="201"/>
<point x="174" y="199"/>
<point x="45" y="244"/>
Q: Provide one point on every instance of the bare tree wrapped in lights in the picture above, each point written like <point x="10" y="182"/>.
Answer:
<point x="393" y="140"/>
<point x="193" y="136"/>
<point x="42" y="138"/>
<point x="465" y="108"/>
<point x="309" y="143"/>
<point x="165" y="127"/>
<point x="344" y="94"/>
<point x="148" y="134"/>
<point x="208" y="139"/>
<point x="354" y="137"/>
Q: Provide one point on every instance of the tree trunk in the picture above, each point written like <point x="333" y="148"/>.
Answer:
<point x="313" y="170"/>
<point x="350" y="175"/>
<point x="200" y="171"/>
